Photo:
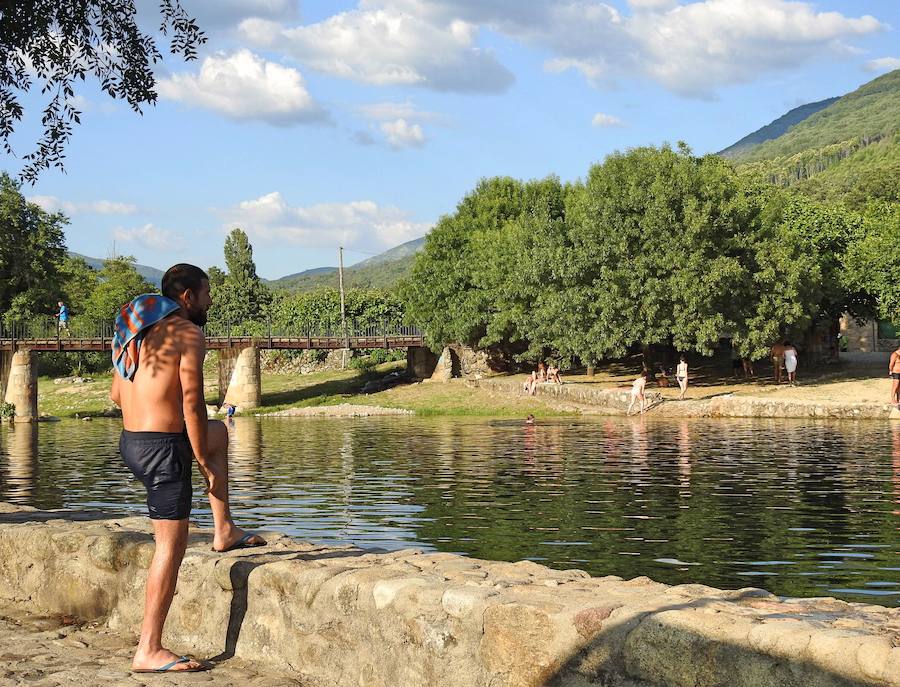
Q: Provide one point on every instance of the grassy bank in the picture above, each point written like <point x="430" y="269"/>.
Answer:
<point x="283" y="391"/>
<point x="848" y="382"/>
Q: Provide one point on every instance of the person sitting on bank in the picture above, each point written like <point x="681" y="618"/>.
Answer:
<point x="553" y="374"/>
<point x="541" y="372"/>
<point x="158" y="352"/>
<point x="662" y="377"/>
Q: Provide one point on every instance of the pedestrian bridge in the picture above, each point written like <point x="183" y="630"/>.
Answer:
<point x="238" y="347"/>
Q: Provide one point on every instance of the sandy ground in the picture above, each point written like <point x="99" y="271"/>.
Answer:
<point x="856" y="379"/>
<point x="45" y="652"/>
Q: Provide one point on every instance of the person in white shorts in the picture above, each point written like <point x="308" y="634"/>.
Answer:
<point x="637" y="392"/>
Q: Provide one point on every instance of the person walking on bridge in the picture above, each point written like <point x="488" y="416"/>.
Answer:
<point x="158" y="352"/>
<point x="62" y="318"/>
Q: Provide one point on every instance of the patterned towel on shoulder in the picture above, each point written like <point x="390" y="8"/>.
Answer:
<point x="133" y="321"/>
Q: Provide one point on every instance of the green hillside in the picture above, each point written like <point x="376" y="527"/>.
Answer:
<point x="870" y="112"/>
<point x="774" y="129"/>
<point x="849" y="151"/>
<point x="382" y="271"/>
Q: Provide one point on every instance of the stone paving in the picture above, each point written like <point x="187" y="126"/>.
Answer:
<point x="52" y="652"/>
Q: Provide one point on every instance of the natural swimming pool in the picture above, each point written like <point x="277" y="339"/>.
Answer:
<point x="801" y="508"/>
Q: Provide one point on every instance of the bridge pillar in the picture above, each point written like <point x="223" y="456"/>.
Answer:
<point x="239" y="379"/>
<point x="420" y="362"/>
<point x="18" y="371"/>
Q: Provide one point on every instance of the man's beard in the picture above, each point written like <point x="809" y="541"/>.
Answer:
<point x="198" y="317"/>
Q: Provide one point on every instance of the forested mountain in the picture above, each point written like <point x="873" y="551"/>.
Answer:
<point x="775" y="129"/>
<point x="847" y="151"/>
<point x="382" y="271"/>
<point x="151" y="274"/>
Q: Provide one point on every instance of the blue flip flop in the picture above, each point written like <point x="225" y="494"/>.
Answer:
<point x="168" y="667"/>
<point x="242" y="543"/>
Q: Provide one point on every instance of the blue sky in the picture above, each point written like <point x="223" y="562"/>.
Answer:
<point x="315" y="123"/>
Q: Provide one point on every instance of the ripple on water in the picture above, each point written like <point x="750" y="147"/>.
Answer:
<point x="800" y="507"/>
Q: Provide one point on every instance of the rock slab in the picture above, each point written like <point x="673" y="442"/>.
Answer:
<point x="347" y="616"/>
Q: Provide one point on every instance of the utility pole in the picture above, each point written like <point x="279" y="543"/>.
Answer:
<point x="343" y="311"/>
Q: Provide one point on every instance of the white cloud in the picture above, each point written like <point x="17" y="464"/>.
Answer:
<point x="388" y="47"/>
<point x="149" y="236"/>
<point x="399" y="123"/>
<point x="243" y="86"/>
<point x="883" y="64"/>
<point x="606" y="120"/>
<point x="652" y="5"/>
<point x="93" y="207"/>
<point x="401" y="134"/>
<point x="359" y="224"/>
<point x="405" y="110"/>
<point x="691" y="48"/>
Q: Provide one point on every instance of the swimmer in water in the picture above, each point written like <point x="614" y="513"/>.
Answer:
<point x="529" y="420"/>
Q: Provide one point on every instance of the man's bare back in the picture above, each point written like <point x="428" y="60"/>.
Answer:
<point x="154" y="400"/>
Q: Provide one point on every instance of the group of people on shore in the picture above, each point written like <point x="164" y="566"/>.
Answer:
<point x="548" y="374"/>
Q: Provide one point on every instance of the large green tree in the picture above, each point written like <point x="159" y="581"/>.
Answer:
<point x="118" y="283"/>
<point x="32" y="252"/>
<point x="51" y="45"/>
<point x="872" y="262"/>
<point x="239" y="296"/>
<point x="655" y="247"/>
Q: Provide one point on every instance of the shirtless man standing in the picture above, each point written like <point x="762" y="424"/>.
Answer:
<point x="165" y="422"/>
<point x="894" y="374"/>
<point x="777" y="354"/>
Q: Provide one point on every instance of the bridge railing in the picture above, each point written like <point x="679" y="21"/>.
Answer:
<point x="48" y="328"/>
<point x="85" y="328"/>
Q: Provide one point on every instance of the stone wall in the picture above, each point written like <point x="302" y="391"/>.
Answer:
<point x="615" y="402"/>
<point x="341" y="616"/>
<point x="457" y="360"/>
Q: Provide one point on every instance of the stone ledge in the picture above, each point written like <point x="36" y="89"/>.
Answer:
<point x="345" y="616"/>
<point x="613" y="401"/>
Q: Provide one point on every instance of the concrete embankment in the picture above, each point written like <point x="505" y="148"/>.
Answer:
<point x="345" y="616"/>
<point x="614" y="401"/>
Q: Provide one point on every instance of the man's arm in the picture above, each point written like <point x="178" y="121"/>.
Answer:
<point x="115" y="392"/>
<point x="190" y="372"/>
<point x="892" y="362"/>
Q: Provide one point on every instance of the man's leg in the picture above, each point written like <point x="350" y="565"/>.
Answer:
<point x="171" y="540"/>
<point x="895" y="391"/>
<point x="226" y="533"/>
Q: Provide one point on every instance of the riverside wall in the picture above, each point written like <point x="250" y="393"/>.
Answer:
<point x="615" y="402"/>
<point x="346" y="616"/>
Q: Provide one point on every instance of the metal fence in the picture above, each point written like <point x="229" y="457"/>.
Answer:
<point x="84" y="328"/>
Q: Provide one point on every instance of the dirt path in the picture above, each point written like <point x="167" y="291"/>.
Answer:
<point x="46" y="652"/>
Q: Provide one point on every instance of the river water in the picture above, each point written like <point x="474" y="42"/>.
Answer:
<point x="801" y="508"/>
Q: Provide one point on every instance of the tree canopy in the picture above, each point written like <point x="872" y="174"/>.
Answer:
<point x="656" y="246"/>
<point x="50" y="45"/>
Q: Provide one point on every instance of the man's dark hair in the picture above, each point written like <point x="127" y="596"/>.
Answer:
<point x="180" y="278"/>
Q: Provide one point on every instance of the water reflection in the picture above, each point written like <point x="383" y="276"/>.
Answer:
<point x="22" y="463"/>
<point x="800" y="508"/>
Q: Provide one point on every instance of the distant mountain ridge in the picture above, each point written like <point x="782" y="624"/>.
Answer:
<point x="151" y="274"/>
<point x="848" y="151"/>
<point x="776" y="128"/>
<point x="382" y="271"/>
